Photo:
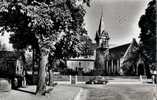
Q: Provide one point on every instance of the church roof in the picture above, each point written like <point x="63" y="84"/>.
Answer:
<point x="131" y="52"/>
<point x="132" y="56"/>
<point x="118" y="52"/>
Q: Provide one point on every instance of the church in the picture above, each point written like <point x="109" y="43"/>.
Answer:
<point x="120" y="60"/>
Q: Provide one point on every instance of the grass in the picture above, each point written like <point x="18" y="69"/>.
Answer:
<point x="120" y="92"/>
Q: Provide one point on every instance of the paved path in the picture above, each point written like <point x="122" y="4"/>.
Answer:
<point x="60" y="92"/>
<point x="82" y="95"/>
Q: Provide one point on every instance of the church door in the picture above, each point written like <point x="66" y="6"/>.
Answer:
<point x="140" y="69"/>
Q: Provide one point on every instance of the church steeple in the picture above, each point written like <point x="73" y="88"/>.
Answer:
<point x="102" y="36"/>
<point x="101" y="24"/>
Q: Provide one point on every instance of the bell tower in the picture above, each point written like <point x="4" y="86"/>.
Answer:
<point x="102" y="37"/>
<point x="102" y="40"/>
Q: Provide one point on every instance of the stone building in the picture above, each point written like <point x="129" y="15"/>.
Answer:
<point x="85" y="64"/>
<point x="114" y="61"/>
<point x="11" y="63"/>
<point x="12" y="66"/>
<point x="119" y="60"/>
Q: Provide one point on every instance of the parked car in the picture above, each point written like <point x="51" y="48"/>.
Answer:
<point x="97" y="81"/>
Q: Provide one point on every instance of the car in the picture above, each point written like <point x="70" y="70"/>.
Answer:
<point x="97" y="81"/>
<point x="90" y="81"/>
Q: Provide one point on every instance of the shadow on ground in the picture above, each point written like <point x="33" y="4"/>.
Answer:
<point x="26" y="91"/>
<point x="34" y="93"/>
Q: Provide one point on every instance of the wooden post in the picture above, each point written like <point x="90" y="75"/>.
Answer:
<point x="141" y="78"/>
<point x="70" y="79"/>
<point x="76" y="79"/>
<point x="107" y="67"/>
<point x="112" y="67"/>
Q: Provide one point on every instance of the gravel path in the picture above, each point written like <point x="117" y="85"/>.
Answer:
<point x="120" y="92"/>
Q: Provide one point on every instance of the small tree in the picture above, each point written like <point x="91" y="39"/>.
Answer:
<point x="147" y="36"/>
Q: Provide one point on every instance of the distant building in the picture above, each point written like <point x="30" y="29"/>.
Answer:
<point x="85" y="64"/>
<point x="120" y="60"/>
<point x="12" y="66"/>
<point x="11" y="63"/>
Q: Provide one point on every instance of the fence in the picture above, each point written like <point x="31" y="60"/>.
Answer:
<point x="61" y="77"/>
<point x="79" y="79"/>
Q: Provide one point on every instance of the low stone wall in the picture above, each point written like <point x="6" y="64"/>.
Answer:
<point x="87" y="78"/>
<point x="61" y="77"/>
<point x="5" y="85"/>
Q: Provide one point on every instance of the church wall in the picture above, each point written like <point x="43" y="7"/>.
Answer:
<point x="114" y="67"/>
<point x="111" y="67"/>
<point x="99" y="61"/>
<point x="86" y="65"/>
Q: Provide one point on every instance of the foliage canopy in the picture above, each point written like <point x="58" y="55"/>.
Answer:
<point x="147" y="24"/>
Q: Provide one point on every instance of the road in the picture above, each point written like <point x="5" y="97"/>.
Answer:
<point x="120" y="92"/>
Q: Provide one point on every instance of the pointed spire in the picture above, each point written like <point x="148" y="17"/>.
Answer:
<point x="100" y="28"/>
<point x="102" y="37"/>
<point x="101" y="24"/>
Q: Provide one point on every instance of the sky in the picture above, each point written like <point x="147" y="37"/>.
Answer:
<point x="4" y="40"/>
<point x="121" y="19"/>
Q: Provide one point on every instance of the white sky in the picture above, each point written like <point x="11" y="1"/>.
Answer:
<point x="120" y="18"/>
<point x="5" y="41"/>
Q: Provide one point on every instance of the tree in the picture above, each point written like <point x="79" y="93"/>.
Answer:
<point x="147" y="36"/>
<point x="32" y="25"/>
<point x="87" y="47"/>
<point x="70" y="42"/>
<point x="39" y="23"/>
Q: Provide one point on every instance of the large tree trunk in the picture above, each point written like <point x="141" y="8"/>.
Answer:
<point x="41" y="87"/>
